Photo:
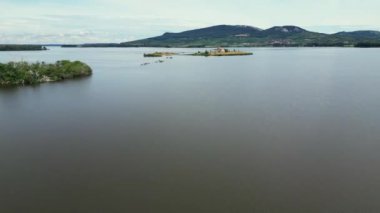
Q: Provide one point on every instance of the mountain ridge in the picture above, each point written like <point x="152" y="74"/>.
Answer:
<point x="249" y="36"/>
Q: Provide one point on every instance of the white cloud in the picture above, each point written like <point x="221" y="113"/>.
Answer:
<point x="61" y="21"/>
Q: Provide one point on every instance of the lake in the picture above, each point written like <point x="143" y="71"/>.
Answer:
<point x="285" y="130"/>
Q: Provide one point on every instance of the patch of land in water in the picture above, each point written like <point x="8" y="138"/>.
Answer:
<point x="21" y="47"/>
<point x="221" y="52"/>
<point x="216" y="53"/>
<point x="159" y="54"/>
<point x="23" y="73"/>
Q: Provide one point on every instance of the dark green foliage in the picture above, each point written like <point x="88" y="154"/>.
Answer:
<point x="14" y="47"/>
<point x="23" y="73"/>
<point x="368" y="34"/>
<point x="70" y="45"/>
<point x="368" y="44"/>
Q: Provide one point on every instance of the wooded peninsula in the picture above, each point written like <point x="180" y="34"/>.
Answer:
<point x="24" y="73"/>
<point x="21" y="47"/>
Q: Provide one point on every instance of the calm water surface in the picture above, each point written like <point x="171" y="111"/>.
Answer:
<point x="284" y="130"/>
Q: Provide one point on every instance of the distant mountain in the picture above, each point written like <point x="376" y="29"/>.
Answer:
<point x="219" y="31"/>
<point x="248" y="36"/>
<point x="283" y="31"/>
<point x="209" y="36"/>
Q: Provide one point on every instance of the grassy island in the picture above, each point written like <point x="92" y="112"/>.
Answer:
<point x="23" y="73"/>
<point x="221" y="52"/>
<point x="159" y="54"/>
<point x="14" y="47"/>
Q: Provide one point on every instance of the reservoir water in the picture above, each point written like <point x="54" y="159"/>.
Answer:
<point x="284" y="130"/>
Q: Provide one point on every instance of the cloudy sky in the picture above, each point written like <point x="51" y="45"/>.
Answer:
<point x="81" y="21"/>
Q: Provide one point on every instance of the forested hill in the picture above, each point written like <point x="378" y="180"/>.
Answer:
<point x="247" y="36"/>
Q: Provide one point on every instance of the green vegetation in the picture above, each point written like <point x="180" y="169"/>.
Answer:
<point x="14" y="47"/>
<point x="23" y="73"/>
<point x="368" y="44"/>
<point x="159" y="54"/>
<point x="221" y="52"/>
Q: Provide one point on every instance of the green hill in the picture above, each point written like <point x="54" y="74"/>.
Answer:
<point x="247" y="36"/>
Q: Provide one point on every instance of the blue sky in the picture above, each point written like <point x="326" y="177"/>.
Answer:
<point x="78" y="21"/>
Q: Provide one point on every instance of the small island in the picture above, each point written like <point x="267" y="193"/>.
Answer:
<point x="216" y="52"/>
<point x="16" y="47"/>
<point x="23" y="73"/>
<point x="221" y="52"/>
<point x="159" y="54"/>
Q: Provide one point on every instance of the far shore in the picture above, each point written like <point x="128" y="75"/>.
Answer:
<point x="21" y="47"/>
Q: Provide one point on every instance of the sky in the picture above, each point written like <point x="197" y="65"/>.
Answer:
<point x="89" y="21"/>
